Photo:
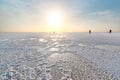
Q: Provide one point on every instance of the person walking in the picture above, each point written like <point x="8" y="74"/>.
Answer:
<point x="89" y="31"/>
<point x="110" y="31"/>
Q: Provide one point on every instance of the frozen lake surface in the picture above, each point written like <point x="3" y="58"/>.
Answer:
<point x="64" y="56"/>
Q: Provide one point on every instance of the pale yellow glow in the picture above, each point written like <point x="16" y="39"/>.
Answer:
<point x="54" y="20"/>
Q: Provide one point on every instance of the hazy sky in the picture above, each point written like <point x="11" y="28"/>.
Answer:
<point x="78" y="15"/>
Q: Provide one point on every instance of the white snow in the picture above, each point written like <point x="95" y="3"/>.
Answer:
<point x="66" y="56"/>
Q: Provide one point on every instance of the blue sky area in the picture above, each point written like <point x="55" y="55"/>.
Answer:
<point x="80" y="15"/>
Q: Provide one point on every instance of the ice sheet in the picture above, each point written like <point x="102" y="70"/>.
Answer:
<point x="64" y="56"/>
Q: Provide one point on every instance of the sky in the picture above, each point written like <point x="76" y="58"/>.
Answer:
<point x="77" y="15"/>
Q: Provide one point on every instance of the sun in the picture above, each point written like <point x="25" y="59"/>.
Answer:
<point x="54" y="18"/>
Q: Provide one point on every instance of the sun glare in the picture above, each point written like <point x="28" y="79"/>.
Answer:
<point x="54" y="18"/>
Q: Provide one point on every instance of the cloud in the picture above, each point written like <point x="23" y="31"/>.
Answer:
<point x="102" y="13"/>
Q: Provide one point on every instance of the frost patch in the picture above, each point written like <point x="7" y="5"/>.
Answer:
<point x="53" y="49"/>
<point x="82" y="45"/>
<point x="42" y="40"/>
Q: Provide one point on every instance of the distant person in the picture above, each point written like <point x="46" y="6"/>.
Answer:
<point x="110" y="31"/>
<point x="89" y="31"/>
<point x="53" y="32"/>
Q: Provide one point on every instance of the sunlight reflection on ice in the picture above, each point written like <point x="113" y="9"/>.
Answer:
<point x="32" y="38"/>
<point x="54" y="39"/>
<point x="53" y="49"/>
<point x="42" y="40"/>
<point x="82" y="45"/>
<point x="23" y="39"/>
